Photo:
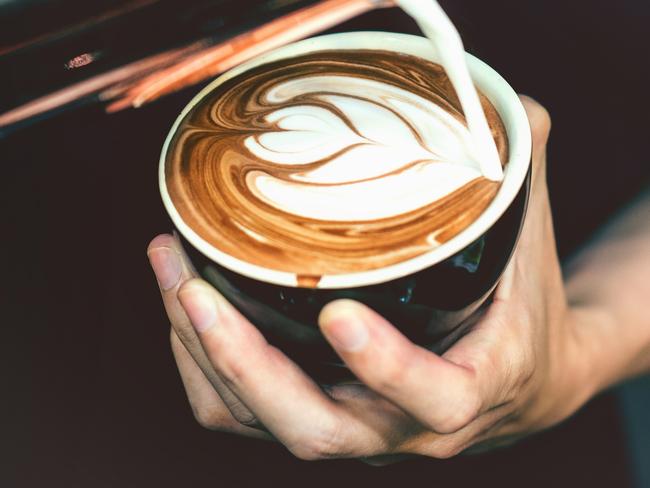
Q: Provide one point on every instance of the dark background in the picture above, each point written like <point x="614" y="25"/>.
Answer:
<point x="91" y="396"/>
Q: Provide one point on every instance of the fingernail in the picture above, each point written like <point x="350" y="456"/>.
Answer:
<point x="167" y="266"/>
<point x="200" y="307"/>
<point x="343" y="324"/>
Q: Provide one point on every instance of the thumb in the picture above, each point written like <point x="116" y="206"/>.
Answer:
<point x="540" y="127"/>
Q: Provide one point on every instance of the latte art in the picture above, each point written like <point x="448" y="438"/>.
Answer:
<point x="375" y="143"/>
<point x="332" y="162"/>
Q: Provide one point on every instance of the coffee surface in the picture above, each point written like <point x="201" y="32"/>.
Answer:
<point x="331" y="162"/>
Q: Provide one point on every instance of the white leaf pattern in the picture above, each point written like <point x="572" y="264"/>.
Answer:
<point x="383" y="150"/>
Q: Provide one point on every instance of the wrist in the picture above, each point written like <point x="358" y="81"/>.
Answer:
<point x="575" y="370"/>
<point x="593" y="349"/>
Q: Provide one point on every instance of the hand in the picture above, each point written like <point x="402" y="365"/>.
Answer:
<point x="519" y="370"/>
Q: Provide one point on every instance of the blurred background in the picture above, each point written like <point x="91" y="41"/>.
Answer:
<point x="91" y="396"/>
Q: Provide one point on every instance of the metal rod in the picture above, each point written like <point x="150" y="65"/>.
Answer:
<point x="150" y="78"/>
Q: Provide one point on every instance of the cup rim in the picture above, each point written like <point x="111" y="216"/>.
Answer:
<point x="491" y="84"/>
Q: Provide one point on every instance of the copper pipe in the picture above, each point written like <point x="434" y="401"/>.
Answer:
<point x="146" y="80"/>
<point x="95" y="84"/>
<point x="241" y="48"/>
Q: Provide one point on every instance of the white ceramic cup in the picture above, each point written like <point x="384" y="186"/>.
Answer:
<point x="497" y="90"/>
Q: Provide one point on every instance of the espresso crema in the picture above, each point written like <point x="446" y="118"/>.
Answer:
<point x="331" y="162"/>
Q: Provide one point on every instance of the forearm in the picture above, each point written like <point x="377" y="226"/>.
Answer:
<point x="608" y="287"/>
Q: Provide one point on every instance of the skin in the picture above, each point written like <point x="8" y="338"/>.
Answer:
<point x="546" y="345"/>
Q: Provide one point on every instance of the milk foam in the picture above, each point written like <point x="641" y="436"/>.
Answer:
<point x="387" y="151"/>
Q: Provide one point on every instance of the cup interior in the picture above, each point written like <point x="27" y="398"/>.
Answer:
<point x="492" y="85"/>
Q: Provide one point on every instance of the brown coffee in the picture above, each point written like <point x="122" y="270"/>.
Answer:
<point x="331" y="162"/>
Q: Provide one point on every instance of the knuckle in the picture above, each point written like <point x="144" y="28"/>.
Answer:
<point x="244" y="416"/>
<point x="526" y="375"/>
<point x="459" y="414"/>
<point x="454" y="421"/>
<point x="488" y="362"/>
<point x="305" y="453"/>
<point x="233" y="371"/>
<point x="324" y="443"/>
<point x="542" y="124"/>
<point x="443" y="449"/>
<point x="540" y="119"/>
<point x="210" y="418"/>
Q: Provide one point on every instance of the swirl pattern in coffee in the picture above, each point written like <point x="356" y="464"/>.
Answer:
<point x="331" y="162"/>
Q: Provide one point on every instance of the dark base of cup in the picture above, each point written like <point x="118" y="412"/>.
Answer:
<point x="432" y="307"/>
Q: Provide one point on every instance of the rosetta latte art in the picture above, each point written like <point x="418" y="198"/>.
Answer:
<point x="329" y="163"/>
<point x="376" y="143"/>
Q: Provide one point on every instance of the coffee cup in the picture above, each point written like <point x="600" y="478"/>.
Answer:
<point x="432" y="297"/>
